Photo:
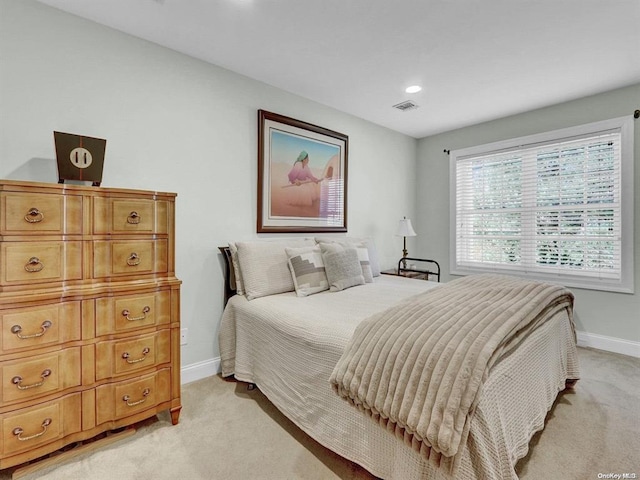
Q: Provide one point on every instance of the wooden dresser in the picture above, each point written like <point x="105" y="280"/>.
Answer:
<point x="89" y="314"/>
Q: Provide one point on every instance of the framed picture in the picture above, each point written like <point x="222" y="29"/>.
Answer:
<point x="302" y="176"/>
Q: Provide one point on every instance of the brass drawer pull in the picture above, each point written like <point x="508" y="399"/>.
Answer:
<point x="145" y="393"/>
<point x="16" y="329"/>
<point x="17" y="380"/>
<point x="133" y="260"/>
<point x="145" y="310"/>
<point x="133" y="218"/>
<point x="34" y="216"/>
<point x="34" y="265"/>
<point x="18" y="431"/>
<point x="126" y="356"/>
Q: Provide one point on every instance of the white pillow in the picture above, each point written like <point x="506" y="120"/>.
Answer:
<point x="365" y="264"/>
<point x="264" y="266"/>
<point x="371" y="248"/>
<point x="235" y="265"/>
<point x="342" y="266"/>
<point x="373" y="254"/>
<point x="307" y="270"/>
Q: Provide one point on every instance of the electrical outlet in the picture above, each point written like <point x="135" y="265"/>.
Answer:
<point x="183" y="336"/>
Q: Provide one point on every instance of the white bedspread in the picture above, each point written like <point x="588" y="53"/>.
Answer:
<point x="288" y="346"/>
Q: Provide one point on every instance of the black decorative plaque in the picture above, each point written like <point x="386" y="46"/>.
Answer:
<point x="79" y="157"/>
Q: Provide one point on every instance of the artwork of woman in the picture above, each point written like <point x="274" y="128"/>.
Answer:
<point x="300" y="172"/>
<point x="302" y="176"/>
<point x="300" y="189"/>
<point x="303" y="189"/>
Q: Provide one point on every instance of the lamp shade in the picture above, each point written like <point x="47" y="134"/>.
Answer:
<point x="405" y="229"/>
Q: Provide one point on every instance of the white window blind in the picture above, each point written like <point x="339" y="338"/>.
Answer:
<point x="549" y="206"/>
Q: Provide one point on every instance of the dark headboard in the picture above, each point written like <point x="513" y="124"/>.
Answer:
<point x="229" y="277"/>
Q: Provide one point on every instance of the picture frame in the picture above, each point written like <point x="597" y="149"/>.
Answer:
<point x="302" y="176"/>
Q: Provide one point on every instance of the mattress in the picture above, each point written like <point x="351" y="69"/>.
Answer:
<point x="289" y="345"/>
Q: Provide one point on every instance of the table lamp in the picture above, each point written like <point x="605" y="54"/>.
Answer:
<point x="405" y="229"/>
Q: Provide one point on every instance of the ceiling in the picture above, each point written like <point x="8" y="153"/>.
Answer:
<point x="477" y="60"/>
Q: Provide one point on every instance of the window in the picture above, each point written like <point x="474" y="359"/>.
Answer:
<point x="557" y="206"/>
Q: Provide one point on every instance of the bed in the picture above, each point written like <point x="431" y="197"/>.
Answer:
<point x="289" y="345"/>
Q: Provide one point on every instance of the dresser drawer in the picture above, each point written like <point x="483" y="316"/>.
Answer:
<point x="118" y="357"/>
<point x="28" y="213"/>
<point x="130" y="216"/>
<point x="119" y="400"/>
<point x="39" y="262"/>
<point x="32" y="427"/>
<point x="38" y="375"/>
<point x="129" y="257"/>
<point x="39" y="326"/>
<point x="125" y="313"/>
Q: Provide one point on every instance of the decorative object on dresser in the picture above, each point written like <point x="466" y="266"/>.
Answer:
<point x="89" y="314"/>
<point x="405" y="229"/>
<point x="79" y="157"/>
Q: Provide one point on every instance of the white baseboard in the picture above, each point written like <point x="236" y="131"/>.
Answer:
<point x="200" y="370"/>
<point x="208" y="368"/>
<point x="609" y="344"/>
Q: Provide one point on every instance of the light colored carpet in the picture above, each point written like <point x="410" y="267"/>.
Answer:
<point x="227" y="432"/>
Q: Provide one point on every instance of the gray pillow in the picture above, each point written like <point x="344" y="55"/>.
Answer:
<point x="342" y="266"/>
<point x="374" y="263"/>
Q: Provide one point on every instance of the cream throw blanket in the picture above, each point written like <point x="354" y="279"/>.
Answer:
<point x="418" y="367"/>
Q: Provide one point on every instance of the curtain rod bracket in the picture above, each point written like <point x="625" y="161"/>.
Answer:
<point x="636" y="114"/>
<point x="449" y="151"/>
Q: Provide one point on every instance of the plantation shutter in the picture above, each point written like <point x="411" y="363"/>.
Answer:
<point x="551" y="207"/>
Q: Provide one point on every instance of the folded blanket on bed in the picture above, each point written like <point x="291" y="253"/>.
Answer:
<point x="418" y="367"/>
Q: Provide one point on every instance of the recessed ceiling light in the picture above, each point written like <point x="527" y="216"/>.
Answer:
<point x="413" y="89"/>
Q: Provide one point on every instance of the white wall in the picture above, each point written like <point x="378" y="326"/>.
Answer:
<point x="606" y="320"/>
<point x="173" y="123"/>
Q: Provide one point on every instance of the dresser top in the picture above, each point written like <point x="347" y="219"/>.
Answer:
<point x="73" y="189"/>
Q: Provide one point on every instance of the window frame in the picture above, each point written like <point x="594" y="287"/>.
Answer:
<point x="626" y="282"/>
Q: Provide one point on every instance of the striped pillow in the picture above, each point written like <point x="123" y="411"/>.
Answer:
<point x="307" y="270"/>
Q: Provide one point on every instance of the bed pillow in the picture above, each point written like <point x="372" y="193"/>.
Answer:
<point x="373" y="254"/>
<point x="342" y="266"/>
<point x="363" y="254"/>
<point x="307" y="270"/>
<point x="371" y="249"/>
<point x="235" y="274"/>
<point x="365" y="264"/>
<point x="264" y="266"/>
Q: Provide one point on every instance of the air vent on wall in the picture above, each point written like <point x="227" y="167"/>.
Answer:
<point x="404" y="106"/>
